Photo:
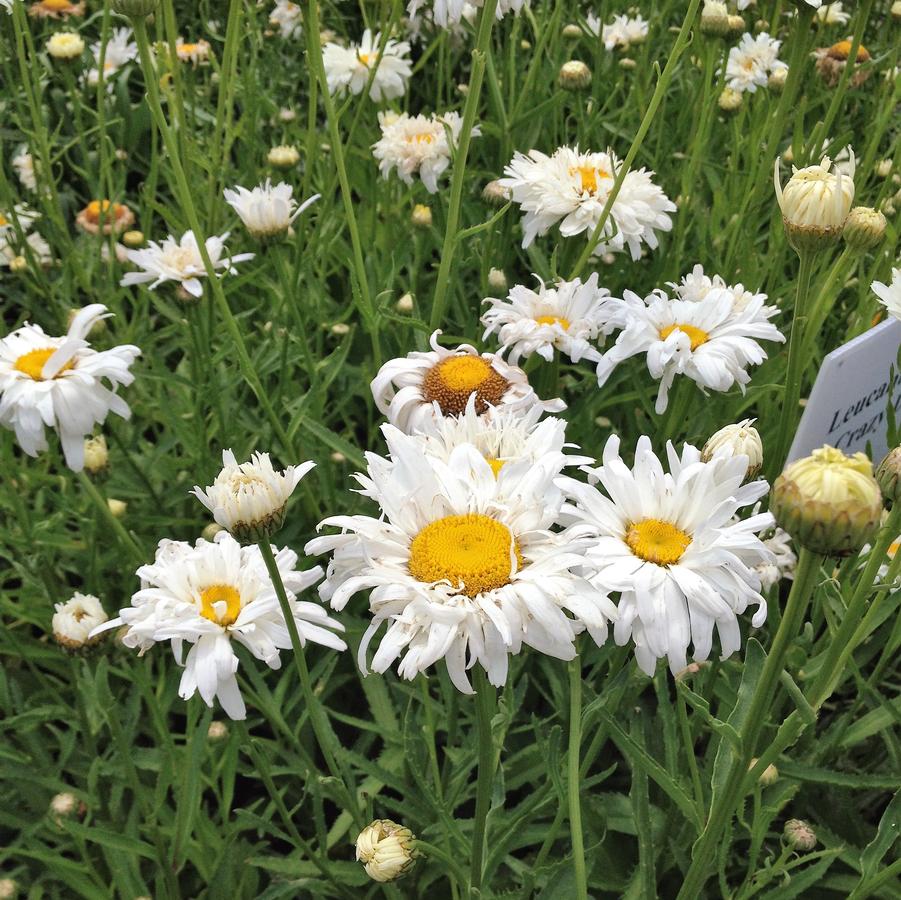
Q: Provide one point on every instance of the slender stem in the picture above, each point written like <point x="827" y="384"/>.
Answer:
<point x="485" y="701"/>
<point x="103" y="508"/>
<point x="724" y="805"/>
<point x="572" y="776"/>
<point x="479" y="57"/>
<point x="789" y="414"/>
<point x="822" y="304"/>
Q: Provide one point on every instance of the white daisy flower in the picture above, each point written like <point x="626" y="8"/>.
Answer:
<point x="451" y="12"/>
<point x="784" y="559"/>
<point x="266" y="210"/>
<point x="287" y="17"/>
<point x="696" y="286"/>
<point x="567" y="317"/>
<point x="58" y="382"/>
<point x="23" y="163"/>
<point x="74" y="620"/>
<point x="250" y="499"/>
<point x="193" y="52"/>
<point x="180" y="261"/>
<point x="623" y="31"/>
<point x="832" y="14"/>
<point x="119" y="51"/>
<point x="571" y="188"/>
<point x="710" y="341"/>
<point x="7" y="5"/>
<point x="348" y="68"/>
<point x="752" y="61"/>
<point x="417" y="144"/>
<point x="12" y="249"/>
<point x="459" y="567"/>
<point x="417" y="390"/>
<point x="213" y="593"/>
<point x="21" y="214"/>
<point x="667" y="543"/>
<point x="889" y="295"/>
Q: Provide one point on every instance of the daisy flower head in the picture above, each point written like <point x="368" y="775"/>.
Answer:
<point x="622" y="32"/>
<point x="831" y="63"/>
<point x="106" y="217"/>
<point x="120" y="50"/>
<point x="249" y="500"/>
<point x="213" y="593"/>
<point x="193" y="52"/>
<point x="452" y="12"/>
<point x="783" y="562"/>
<point x="832" y="14"/>
<point x="14" y="252"/>
<point x="889" y="295"/>
<point x="180" y="261"/>
<point x="417" y="145"/>
<point x="20" y="215"/>
<point x="416" y="391"/>
<point x="58" y="382"/>
<point x="696" y="286"/>
<point x="570" y="189"/>
<point x="266" y="210"/>
<point x="457" y="566"/>
<point x="567" y="317"/>
<point x="54" y="9"/>
<point x="752" y="61"/>
<point x="709" y="341"/>
<point x="287" y="17"/>
<point x="74" y="620"/>
<point x="667" y="542"/>
<point x="348" y="68"/>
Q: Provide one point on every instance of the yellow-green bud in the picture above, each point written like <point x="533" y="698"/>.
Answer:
<point x="864" y="228"/>
<point x="715" y="18"/>
<point x="888" y="474"/>
<point x="421" y="216"/>
<point x="737" y="24"/>
<point x="730" y="100"/>
<point x="574" y="76"/>
<point x="495" y="194"/>
<point x="572" y="32"/>
<point x="828" y="502"/>
<point x="768" y="777"/>
<point x="96" y="455"/>
<point x="799" y="835"/>
<point x="386" y="850"/>
<point x="740" y="439"/>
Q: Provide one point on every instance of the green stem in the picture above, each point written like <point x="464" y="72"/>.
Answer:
<point x="479" y="58"/>
<point x="103" y="508"/>
<point x="724" y="804"/>
<point x="572" y="776"/>
<point x="822" y="304"/>
<point x="485" y="701"/>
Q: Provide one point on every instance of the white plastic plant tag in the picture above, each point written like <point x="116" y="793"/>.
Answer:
<point x="846" y="408"/>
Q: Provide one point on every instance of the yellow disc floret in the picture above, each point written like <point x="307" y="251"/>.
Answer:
<point x="553" y="320"/>
<point x="32" y="363"/>
<point x="455" y="379"/>
<point x="657" y="541"/>
<point x="473" y="552"/>
<point x="211" y="599"/>
<point x="696" y="335"/>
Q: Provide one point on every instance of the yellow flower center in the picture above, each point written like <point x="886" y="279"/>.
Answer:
<point x="212" y="600"/>
<point x="56" y="5"/>
<point x="189" y="49"/>
<point x="496" y="464"/>
<point x="588" y="176"/>
<point x="657" y="541"/>
<point x="364" y="58"/>
<point x="695" y="335"/>
<point x="3" y="221"/>
<point x="553" y="320"/>
<point x="842" y="50"/>
<point x="108" y="210"/>
<point x="893" y="548"/>
<point x="473" y="552"/>
<point x="455" y="379"/>
<point x="32" y="363"/>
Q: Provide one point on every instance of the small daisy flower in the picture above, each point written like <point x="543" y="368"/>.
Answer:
<point x="13" y="251"/>
<point x="832" y="14"/>
<point x="666" y="541"/>
<point x="831" y="63"/>
<point x="452" y="12"/>
<point x="286" y="16"/>
<point x="65" y="45"/>
<point x="889" y="295"/>
<point x="567" y="317"/>
<point x="266" y="210"/>
<point x="348" y="68"/>
<point x="54" y="9"/>
<point x="458" y="567"/>
<point x="116" y="217"/>
<point x="120" y="50"/>
<point x="180" y="261"/>
<point x="570" y="188"/>
<point x="710" y="341"/>
<point x="23" y="163"/>
<point x="58" y="382"/>
<point x="249" y="499"/>
<point x="74" y="620"/>
<point x="417" y="145"/>
<point x="196" y="52"/>
<point x="752" y="61"/>
<point x="622" y="32"/>
<point x="213" y="593"/>
<point x="696" y="286"/>
<point x="21" y="214"/>
<point x="417" y="390"/>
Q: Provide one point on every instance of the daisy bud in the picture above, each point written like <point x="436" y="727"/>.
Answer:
<point x="715" y="18"/>
<point x="574" y="76"/>
<point x="338" y="458"/>
<point x="799" y="835"/>
<point x="495" y="194"/>
<point x="217" y="731"/>
<point x="18" y="264"/>
<point x="736" y="24"/>
<point x="74" y="620"/>
<point x="888" y="208"/>
<point x="896" y="10"/>
<point x="249" y="499"/>
<point x="864" y="228"/>
<point x="572" y="32"/>
<point x="525" y="45"/>
<point x="828" y="502"/>
<point x="283" y="157"/>
<point x="66" y="45"/>
<point x="888" y="474"/>
<point x="883" y="168"/>
<point x="741" y="439"/>
<point x="287" y="115"/>
<point x="8" y="888"/>
<point x="497" y="280"/>
<point x="421" y="216"/>
<point x="133" y="238"/>
<point x="815" y="203"/>
<point x="135" y="9"/>
<point x="627" y="63"/>
<point x="730" y="100"/>
<point x="386" y="850"/>
<point x="405" y="304"/>
<point x="608" y="259"/>
<point x="117" y="507"/>
<point x="63" y="806"/>
<point x="340" y="329"/>
<point x="777" y="79"/>
<point x="96" y="455"/>
<point x="211" y="530"/>
<point x="768" y="777"/>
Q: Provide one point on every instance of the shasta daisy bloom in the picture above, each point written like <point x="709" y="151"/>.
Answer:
<point x="451" y="12"/>
<point x="55" y="9"/>
<point x="458" y="566"/>
<point x="197" y="52"/>
<point x="417" y="390"/>
<point x="286" y="16"/>
<point x="623" y="31"/>
<point x="266" y="210"/>
<point x="120" y="50"/>
<point x="417" y="145"/>
<point x="709" y="341"/>
<point x="889" y="295"/>
<point x="348" y="68"/>
<point x="696" y="286"/>
<point x="115" y="217"/>
<point x="752" y="61"/>
<point x="58" y="382"/>
<point x="74" y="620"/>
<point x="570" y="188"/>
<point x="213" y="593"/>
<point x="249" y="499"/>
<point x="180" y="261"/>
<point x="567" y="317"/>
<point x="667" y="542"/>
<point x="832" y="14"/>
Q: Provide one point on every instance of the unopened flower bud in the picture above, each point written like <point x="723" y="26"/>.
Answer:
<point x="96" y="455"/>
<point x="340" y="329"/>
<point x="386" y="850"/>
<point x="117" y="507"/>
<point x="8" y="888"/>
<point x="715" y="18"/>
<point x="828" y="502"/>
<point x="338" y="458"/>
<point x="283" y="157"/>
<point x="495" y="194"/>
<point x="421" y="216"/>
<point x="574" y="76"/>
<point x="405" y="304"/>
<point x="497" y="280"/>
<point x="18" y="264"/>
<point x="768" y="777"/>
<point x="741" y="439"/>
<point x="884" y="166"/>
<point x="799" y="835"/>
<point x="730" y="100"/>
<point x="736" y="24"/>
<point x="777" y="79"/>
<point x="896" y="10"/>
<point x="64" y="805"/>
<point x="627" y="63"/>
<point x="210" y="531"/>
<point x="135" y="9"/>
<point x="133" y="238"/>
<point x="217" y="731"/>
<point x="888" y="475"/>
<point x="572" y="32"/>
<point x="864" y="228"/>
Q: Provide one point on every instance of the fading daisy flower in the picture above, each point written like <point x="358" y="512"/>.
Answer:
<point x="287" y="17"/>
<point x="570" y="188"/>
<point x="782" y="566"/>
<point x="458" y="567"/>
<point x="417" y="145"/>
<point x="58" y="382"/>
<point x="667" y="542"/>
<point x="709" y="341"/>
<point x="74" y="620"/>
<point x="696" y="286"/>
<point x="106" y="217"/>
<point x="24" y="165"/>
<point x="752" y="61"/>
<point x="120" y="50"/>
<point x="180" y="261"/>
<point x="196" y="52"/>
<point x="622" y="32"/>
<point x="832" y="14"/>
<point x="567" y="317"/>
<point x="831" y="63"/>
<point x="55" y="9"/>
<point x="348" y="68"/>
<point x="417" y="390"/>
<point x="889" y="295"/>
<point x="266" y="210"/>
<point x="452" y="12"/>
<point x="213" y="593"/>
